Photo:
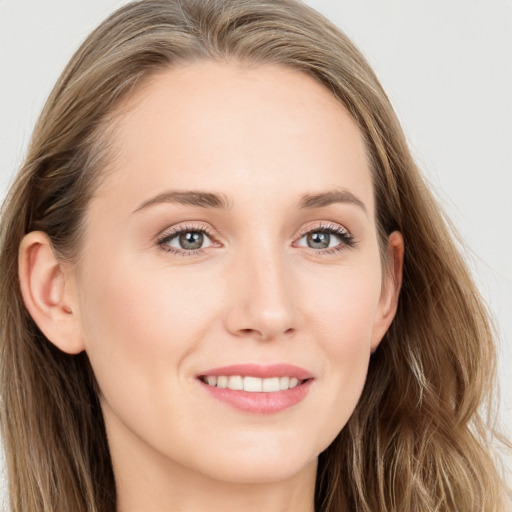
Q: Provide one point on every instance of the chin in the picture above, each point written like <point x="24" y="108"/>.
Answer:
<point x="263" y="473"/>
<point x="261" y="466"/>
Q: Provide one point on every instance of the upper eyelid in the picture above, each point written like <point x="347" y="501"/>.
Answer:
<point x="175" y="230"/>
<point x="327" y="225"/>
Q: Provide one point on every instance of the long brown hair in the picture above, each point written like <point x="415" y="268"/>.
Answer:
<point x="417" y="440"/>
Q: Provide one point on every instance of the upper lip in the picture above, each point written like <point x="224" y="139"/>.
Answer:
<point x="261" y="371"/>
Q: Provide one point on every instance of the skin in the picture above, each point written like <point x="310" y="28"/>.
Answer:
<point x="151" y="320"/>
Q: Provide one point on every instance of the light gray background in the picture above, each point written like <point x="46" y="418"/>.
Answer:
<point x="447" y="67"/>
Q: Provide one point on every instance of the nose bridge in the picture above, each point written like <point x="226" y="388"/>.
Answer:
<point x="264" y="299"/>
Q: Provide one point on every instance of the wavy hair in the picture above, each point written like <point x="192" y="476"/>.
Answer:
<point x="417" y="441"/>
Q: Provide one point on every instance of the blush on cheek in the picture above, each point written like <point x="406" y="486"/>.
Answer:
<point x="343" y="317"/>
<point x="152" y="321"/>
<point x="348" y="311"/>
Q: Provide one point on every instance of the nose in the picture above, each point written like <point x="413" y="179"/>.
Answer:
<point x="262" y="297"/>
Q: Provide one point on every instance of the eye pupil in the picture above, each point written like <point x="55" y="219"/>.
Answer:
<point x="191" y="240"/>
<point x="318" y="240"/>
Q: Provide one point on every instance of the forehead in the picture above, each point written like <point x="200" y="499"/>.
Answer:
<point x="236" y="129"/>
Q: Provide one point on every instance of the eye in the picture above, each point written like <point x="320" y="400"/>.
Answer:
<point x="189" y="241"/>
<point x="185" y="240"/>
<point x="327" y="237"/>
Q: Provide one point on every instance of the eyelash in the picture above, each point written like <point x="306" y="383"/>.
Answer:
<point x="347" y="239"/>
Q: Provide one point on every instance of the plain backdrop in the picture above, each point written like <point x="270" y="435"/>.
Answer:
<point x="446" y="65"/>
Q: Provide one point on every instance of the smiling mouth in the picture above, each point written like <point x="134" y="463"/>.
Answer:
<point x="252" y="384"/>
<point x="258" y="389"/>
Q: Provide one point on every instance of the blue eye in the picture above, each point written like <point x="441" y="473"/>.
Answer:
<point x="327" y="237"/>
<point x="191" y="240"/>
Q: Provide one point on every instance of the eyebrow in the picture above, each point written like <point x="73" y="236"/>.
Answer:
<point x="220" y="201"/>
<point x="189" y="197"/>
<point x="331" y="197"/>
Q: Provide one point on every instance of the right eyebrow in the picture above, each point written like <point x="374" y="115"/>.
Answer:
<point x="187" y="197"/>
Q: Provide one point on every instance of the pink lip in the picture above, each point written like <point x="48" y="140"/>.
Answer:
<point x="263" y="372"/>
<point x="260" y="403"/>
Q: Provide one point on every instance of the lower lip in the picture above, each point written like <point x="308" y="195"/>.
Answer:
<point x="260" y="402"/>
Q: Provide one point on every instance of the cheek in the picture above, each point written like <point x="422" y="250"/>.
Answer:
<point x="149" y="305"/>
<point x="343" y="313"/>
<point x="137" y="320"/>
<point x="140" y="338"/>
<point x="344" y="307"/>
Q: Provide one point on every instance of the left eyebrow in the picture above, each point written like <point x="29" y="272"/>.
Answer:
<point x="330" y="197"/>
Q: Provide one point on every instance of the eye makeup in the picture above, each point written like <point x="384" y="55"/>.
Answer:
<point x="191" y="238"/>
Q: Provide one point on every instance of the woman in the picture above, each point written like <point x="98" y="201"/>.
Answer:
<point x="225" y="284"/>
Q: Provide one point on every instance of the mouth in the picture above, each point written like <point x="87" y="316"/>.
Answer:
<point x="252" y="384"/>
<point x="258" y="389"/>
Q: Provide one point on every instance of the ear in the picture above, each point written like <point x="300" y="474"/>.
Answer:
<point x="391" y="284"/>
<point x="46" y="290"/>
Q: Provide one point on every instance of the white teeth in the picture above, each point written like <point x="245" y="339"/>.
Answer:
<point x="222" y="381"/>
<point x="271" y="384"/>
<point x="235" y="382"/>
<point x="284" y="383"/>
<point x="251" y="384"/>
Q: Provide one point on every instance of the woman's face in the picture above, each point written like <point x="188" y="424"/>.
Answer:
<point x="232" y="241"/>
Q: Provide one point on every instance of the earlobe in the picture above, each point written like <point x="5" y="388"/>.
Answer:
<point x="45" y="290"/>
<point x="392" y="283"/>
